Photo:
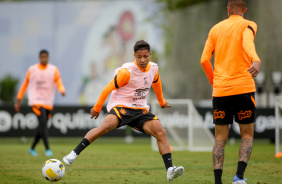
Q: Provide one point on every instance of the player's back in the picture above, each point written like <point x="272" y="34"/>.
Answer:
<point x="231" y="60"/>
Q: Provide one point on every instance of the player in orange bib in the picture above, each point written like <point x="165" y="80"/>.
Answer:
<point x="128" y="106"/>
<point x="41" y="80"/>
<point x="236" y="63"/>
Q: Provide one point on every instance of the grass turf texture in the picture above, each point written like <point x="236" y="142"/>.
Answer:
<point x="110" y="161"/>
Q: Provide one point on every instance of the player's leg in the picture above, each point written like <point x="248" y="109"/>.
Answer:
<point x="245" y="150"/>
<point x="34" y="143"/>
<point x="36" y="139"/>
<point x="221" y="137"/>
<point x="245" y="116"/>
<point x="48" y="152"/>
<point x="155" y="128"/>
<point x="38" y="133"/>
<point x="223" y="116"/>
<point x="43" y="118"/>
<point x="110" y="122"/>
<point x="246" y="146"/>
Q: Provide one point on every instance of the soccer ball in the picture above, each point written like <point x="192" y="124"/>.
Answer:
<point x="53" y="170"/>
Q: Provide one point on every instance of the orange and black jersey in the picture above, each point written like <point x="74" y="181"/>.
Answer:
<point x="232" y="43"/>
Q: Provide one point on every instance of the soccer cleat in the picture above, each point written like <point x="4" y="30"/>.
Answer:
<point x="68" y="159"/>
<point x="32" y="152"/>
<point x="48" y="153"/>
<point x="237" y="180"/>
<point x="174" y="172"/>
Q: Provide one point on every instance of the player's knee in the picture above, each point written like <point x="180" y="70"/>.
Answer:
<point x="247" y="136"/>
<point x="160" y="134"/>
<point x="105" y="129"/>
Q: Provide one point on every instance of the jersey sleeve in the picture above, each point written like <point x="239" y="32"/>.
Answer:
<point x="206" y="57"/>
<point x="23" y="86"/>
<point x="121" y="79"/>
<point x="248" y="41"/>
<point x="59" y="81"/>
<point x="157" y="86"/>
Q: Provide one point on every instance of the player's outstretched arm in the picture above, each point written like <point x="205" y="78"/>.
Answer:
<point x="120" y="80"/>
<point x="59" y="82"/>
<point x="21" y="92"/>
<point x="157" y="86"/>
<point x="102" y="98"/>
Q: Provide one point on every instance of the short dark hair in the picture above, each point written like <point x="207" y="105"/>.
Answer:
<point x="141" y="45"/>
<point x="237" y="4"/>
<point x="43" y="51"/>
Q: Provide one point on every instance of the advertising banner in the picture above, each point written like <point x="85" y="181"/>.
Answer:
<point x="75" y="121"/>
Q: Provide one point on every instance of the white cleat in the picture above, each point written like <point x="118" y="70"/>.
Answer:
<point x="68" y="159"/>
<point x="174" y="172"/>
<point x="239" y="182"/>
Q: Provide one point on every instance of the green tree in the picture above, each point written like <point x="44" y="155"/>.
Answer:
<point x="8" y="88"/>
<point x="178" y="4"/>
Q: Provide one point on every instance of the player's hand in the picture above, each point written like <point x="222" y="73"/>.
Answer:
<point x="63" y="93"/>
<point x="94" y="114"/>
<point x="17" y="106"/>
<point x="166" y="105"/>
<point x="254" y="69"/>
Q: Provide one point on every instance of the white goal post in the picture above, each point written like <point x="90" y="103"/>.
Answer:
<point x="185" y="127"/>
<point x="278" y="126"/>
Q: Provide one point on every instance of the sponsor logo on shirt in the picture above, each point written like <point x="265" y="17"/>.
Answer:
<point x="140" y="94"/>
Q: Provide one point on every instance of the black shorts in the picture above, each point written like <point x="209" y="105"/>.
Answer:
<point x="134" y="118"/>
<point x="241" y="106"/>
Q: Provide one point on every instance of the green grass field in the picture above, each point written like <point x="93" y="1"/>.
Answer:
<point x="110" y="161"/>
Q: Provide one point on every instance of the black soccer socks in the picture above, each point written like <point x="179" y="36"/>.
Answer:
<point x="217" y="176"/>
<point x="241" y="169"/>
<point x="81" y="146"/>
<point x="167" y="160"/>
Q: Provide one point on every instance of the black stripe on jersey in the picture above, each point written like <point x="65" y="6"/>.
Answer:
<point x="156" y="79"/>
<point x="116" y="84"/>
<point x="250" y="27"/>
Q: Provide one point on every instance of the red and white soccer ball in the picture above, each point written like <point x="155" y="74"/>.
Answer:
<point x="53" y="170"/>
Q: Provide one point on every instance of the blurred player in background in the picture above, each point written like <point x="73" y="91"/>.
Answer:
<point x="235" y="64"/>
<point x="128" y="106"/>
<point x="41" y="79"/>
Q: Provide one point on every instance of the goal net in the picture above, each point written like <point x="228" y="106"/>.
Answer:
<point x="184" y="126"/>
<point x="278" y="127"/>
